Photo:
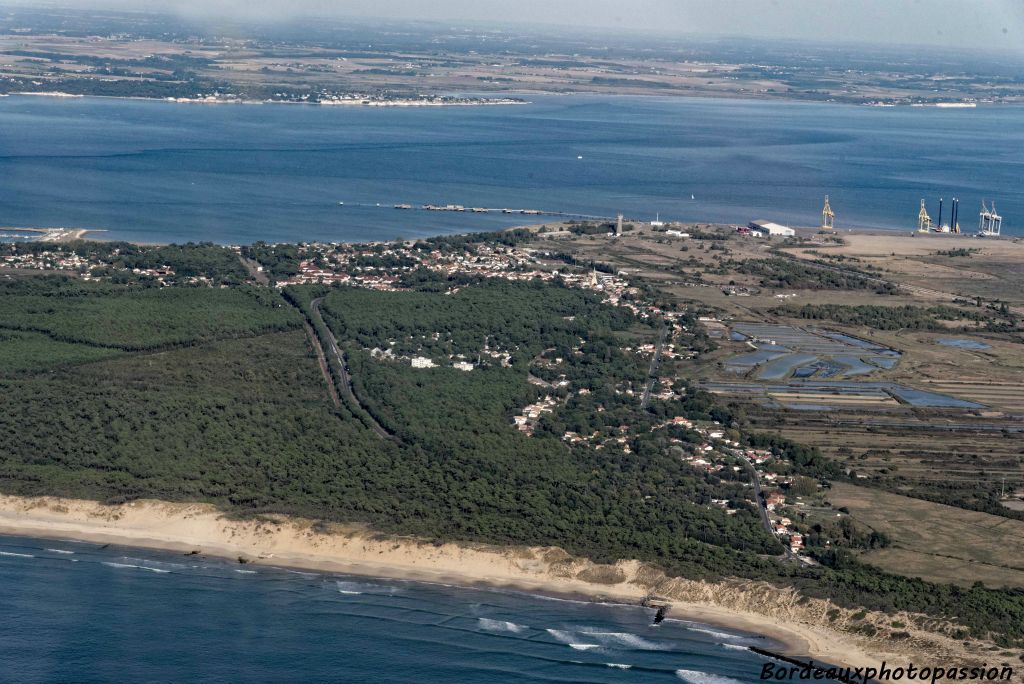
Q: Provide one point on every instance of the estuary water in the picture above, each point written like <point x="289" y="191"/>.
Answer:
<point x="82" y="612"/>
<point x="165" y="172"/>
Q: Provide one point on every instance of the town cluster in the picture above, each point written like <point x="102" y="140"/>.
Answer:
<point x="95" y="268"/>
<point x="716" y="452"/>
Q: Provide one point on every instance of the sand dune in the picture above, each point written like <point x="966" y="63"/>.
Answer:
<point x="806" y="628"/>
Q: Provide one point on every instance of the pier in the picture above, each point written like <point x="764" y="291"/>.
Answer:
<point x="459" y="208"/>
<point x="47" y="234"/>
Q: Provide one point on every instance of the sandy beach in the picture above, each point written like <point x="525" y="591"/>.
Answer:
<point x="811" y="629"/>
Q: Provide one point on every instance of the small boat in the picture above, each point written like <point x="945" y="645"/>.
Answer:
<point x="692" y="197"/>
<point x="580" y="157"/>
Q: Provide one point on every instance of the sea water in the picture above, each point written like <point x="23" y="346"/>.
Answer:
<point x="84" y="612"/>
<point x="166" y="172"/>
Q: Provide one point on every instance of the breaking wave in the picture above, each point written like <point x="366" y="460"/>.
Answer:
<point x="17" y="555"/>
<point x="501" y="626"/>
<point x="351" y="588"/>
<point x="139" y="567"/>
<point x="568" y="638"/>
<point x="714" y="633"/>
<point x="59" y="551"/>
<point x="627" y="640"/>
<point x="698" y="677"/>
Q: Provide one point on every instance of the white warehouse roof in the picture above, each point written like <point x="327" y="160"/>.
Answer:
<point x="772" y="228"/>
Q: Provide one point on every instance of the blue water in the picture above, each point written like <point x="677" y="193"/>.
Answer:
<point x="80" y="612"/>
<point x="170" y="172"/>
<point x="780" y="368"/>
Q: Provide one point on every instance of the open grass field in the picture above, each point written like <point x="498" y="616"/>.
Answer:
<point x="994" y="271"/>
<point x="937" y="542"/>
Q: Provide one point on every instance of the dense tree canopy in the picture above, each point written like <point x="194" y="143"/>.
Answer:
<point x="203" y="394"/>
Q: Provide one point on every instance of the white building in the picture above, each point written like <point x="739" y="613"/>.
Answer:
<point x="422" y="362"/>
<point x="772" y="229"/>
<point x="462" y="366"/>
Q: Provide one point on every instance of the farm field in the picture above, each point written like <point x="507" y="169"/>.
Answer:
<point x="936" y="542"/>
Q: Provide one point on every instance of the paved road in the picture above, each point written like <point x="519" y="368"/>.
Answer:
<point x="346" y="388"/>
<point x="762" y="507"/>
<point x="759" y="496"/>
<point x="652" y="373"/>
<point x="322" y="361"/>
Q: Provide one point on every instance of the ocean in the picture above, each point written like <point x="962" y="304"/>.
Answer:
<point x="163" y="172"/>
<point x="84" y="612"/>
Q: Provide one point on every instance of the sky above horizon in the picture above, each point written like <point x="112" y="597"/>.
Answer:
<point x="989" y="24"/>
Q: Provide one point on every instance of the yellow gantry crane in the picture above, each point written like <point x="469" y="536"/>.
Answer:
<point x="924" y="221"/>
<point x="828" y="217"/>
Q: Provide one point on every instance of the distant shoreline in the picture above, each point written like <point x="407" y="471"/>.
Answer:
<point x="364" y="102"/>
<point x="513" y="97"/>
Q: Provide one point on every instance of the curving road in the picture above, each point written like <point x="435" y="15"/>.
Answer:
<point x="762" y="506"/>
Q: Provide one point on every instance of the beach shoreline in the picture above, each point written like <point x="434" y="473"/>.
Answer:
<point x="281" y="541"/>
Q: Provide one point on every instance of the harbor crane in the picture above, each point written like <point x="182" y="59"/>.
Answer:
<point x="924" y="221"/>
<point x="828" y="218"/>
<point x="990" y="223"/>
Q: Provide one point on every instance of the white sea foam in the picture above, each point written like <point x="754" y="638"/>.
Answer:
<point x="246" y="572"/>
<point x="698" y="677"/>
<point x="735" y="647"/>
<point x="716" y="634"/>
<point x="138" y="567"/>
<point x="60" y="551"/>
<point x="501" y="626"/>
<point x="627" y="640"/>
<point x="153" y="564"/>
<point x="16" y="555"/>
<point x="619" y="666"/>
<point x="564" y="637"/>
<point x="568" y="638"/>
<point x="351" y="588"/>
<point x="299" y="572"/>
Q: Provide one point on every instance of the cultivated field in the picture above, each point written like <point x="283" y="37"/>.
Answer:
<point x="936" y="542"/>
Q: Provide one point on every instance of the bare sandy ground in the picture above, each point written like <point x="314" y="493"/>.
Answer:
<point x="908" y="243"/>
<point x="805" y="628"/>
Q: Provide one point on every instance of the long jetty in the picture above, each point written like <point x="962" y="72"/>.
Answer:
<point x="458" y="208"/>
